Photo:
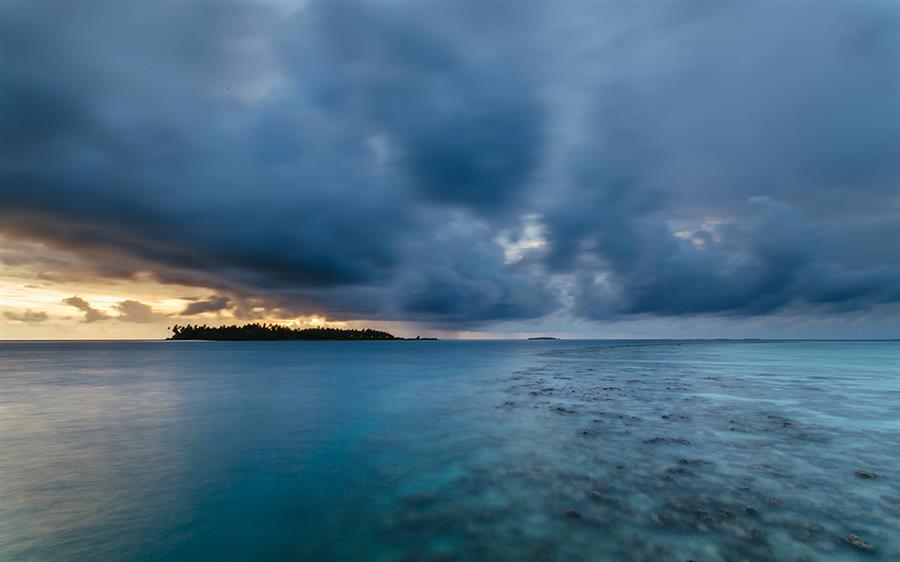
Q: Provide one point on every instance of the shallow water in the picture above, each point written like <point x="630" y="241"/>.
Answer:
<point x="447" y="450"/>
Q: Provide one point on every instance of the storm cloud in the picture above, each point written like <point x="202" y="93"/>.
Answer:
<point x="459" y="164"/>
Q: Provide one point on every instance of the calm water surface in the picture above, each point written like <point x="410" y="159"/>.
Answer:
<point x="395" y="451"/>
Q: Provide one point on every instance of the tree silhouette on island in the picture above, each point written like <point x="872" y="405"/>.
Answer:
<point x="276" y="332"/>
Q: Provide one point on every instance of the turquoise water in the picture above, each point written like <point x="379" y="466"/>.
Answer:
<point x="447" y="450"/>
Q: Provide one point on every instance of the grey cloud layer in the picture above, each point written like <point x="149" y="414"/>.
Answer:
<point x="363" y="160"/>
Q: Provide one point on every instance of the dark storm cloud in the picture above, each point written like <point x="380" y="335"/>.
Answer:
<point x="467" y="283"/>
<point x="776" y="136"/>
<point x="364" y="159"/>
<point x="770" y="259"/>
<point x="464" y="121"/>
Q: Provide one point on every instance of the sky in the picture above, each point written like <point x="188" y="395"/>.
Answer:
<point x="496" y="169"/>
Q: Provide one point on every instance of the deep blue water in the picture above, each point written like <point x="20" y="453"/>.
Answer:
<point x="395" y="451"/>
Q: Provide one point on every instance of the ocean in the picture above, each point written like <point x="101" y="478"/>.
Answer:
<point x="450" y="450"/>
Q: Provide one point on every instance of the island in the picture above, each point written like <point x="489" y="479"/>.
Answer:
<point x="275" y="332"/>
<point x="543" y="338"/>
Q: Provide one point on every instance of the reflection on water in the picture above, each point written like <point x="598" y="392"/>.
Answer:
<point x="450" y="451"/>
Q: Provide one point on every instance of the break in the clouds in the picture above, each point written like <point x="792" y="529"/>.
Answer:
<point x="461" y="163"/>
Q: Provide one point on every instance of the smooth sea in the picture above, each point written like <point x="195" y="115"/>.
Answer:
<point x="450" y="450"/>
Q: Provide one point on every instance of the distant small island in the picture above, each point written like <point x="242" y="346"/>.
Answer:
<point x="275" y="332"/>
<point x="544" y="338"/>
